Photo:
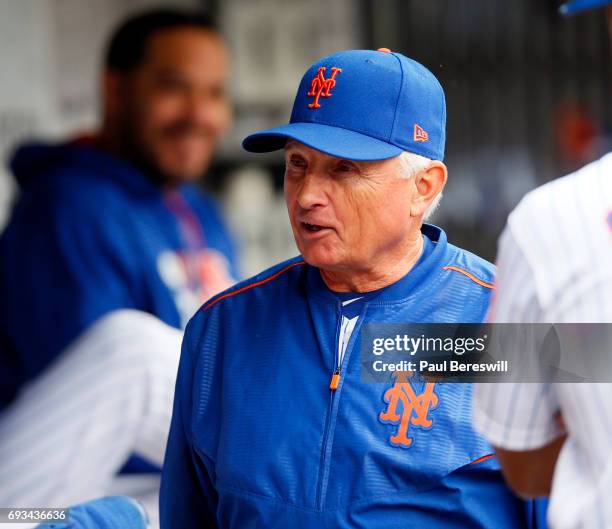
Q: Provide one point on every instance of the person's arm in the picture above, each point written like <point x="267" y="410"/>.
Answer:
<point x="529" y="472"/>
<point x="187" y="498"/>
<point x="65" y="262"/>
<point x="520" y="420"/>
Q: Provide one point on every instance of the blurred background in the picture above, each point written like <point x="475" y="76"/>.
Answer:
<point x="528" y="94"/>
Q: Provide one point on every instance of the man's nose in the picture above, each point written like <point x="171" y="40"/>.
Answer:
<point x="312" y="191"/>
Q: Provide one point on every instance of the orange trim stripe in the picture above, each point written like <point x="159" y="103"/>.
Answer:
<point x="252" y="285"/>
<point x="481" y="459"/>
<point x="471" y="276"/>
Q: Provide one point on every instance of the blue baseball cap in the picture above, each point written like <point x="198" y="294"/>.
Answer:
<point x="363" y="105"/>
<point x="580" y="5"/>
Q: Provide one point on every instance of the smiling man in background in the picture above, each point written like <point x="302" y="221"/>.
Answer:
<point x="102" y="224"/>
<point x="113" y="220"/>
<point x="272" y="425"/>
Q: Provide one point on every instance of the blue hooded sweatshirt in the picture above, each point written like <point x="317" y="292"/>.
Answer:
<point x="90" y="234"/>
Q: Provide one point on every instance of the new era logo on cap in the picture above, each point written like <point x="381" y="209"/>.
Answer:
<point x="364" y="105"/>
<point x="420" y="134"/>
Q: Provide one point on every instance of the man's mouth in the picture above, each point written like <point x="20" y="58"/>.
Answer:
<point x="312" y="227"/>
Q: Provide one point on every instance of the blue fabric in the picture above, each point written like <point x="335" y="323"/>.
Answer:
<point x="333" y="141"/>
<point x="85" y="238"/>
<point x="575" y="6"/>
<point x="379" y="104"/>
<point x="258" y="439"/>
<point x="536" y="511"/>
<point x="112" y="512"/>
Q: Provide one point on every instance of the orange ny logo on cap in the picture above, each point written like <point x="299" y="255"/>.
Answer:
<point x="420" y="134"/>
<point x="405" y="408"/>
<point x="321" y="87"/>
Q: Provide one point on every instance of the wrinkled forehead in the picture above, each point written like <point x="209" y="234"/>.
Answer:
<point x="390" y="166"/>
<point x="292" y="143"/>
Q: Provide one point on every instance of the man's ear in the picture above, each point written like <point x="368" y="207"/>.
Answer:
<point x="428" y="183"/>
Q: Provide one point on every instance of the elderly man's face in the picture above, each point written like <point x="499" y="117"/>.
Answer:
<point x="345" y="215"/>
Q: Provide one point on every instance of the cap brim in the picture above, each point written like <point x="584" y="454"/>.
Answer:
<point x="576" y="6"/>
<point x="334" y="141"/>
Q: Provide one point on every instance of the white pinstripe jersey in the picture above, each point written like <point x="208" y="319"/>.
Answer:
<point x="555" y="265"/>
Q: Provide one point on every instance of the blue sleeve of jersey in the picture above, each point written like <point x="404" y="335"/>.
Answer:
<point x="187" y="498"/>
<point x="65" y="261"/>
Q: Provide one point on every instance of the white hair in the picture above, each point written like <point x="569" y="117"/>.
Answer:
<point x="412" y="164"/>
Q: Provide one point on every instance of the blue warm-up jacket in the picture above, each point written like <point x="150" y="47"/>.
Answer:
<point x="90" y="234"/>
<point x="258" y="440"/>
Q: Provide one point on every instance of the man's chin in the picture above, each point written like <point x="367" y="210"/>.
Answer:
<point x="170" y="172"/>
<point x="320" y="258"/>
<point x="179" y="170"/>
<point x="173" y="175"/>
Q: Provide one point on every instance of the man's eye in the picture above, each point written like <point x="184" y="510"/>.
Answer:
<point x="297" y="162"/>
<point x="344" y="167"/>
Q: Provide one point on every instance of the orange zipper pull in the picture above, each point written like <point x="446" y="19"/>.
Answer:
<point x="333" y="385"/>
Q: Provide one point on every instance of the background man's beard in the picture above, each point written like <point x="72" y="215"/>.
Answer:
<point x="144" y="160"/>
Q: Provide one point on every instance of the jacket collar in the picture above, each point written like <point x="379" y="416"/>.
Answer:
<point x="419" y="275"/>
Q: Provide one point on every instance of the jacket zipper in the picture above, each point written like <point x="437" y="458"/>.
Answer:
<point x="334" y="386"/>
<point x="334" y="382"/>
<point x="341" y="347"/>
<point x="335" y="379"/>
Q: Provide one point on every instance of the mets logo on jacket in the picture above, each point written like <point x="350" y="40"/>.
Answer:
<point x="406" y="407"/>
